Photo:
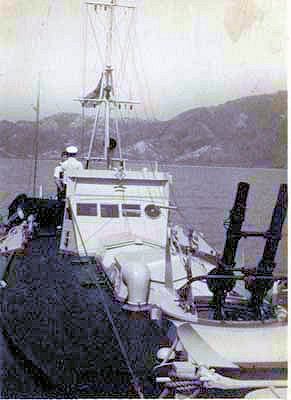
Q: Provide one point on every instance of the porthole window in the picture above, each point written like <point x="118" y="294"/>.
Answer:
<point x="152" y="210"/>
<point x="109" y="210"/>
<point x="131" y="210"/>
<point x="87" y="209"/>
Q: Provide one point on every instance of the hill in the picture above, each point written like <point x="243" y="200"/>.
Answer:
<point x="247" y="132"/>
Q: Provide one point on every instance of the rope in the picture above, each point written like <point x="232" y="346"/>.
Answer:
<point x="124" y="53"/>
<point x="93" y="134"/>
<point x="84" y="69"/>
<point x="109" y="316"/>
<point x="96" y="41"/>
<point x="185" y="220"/>
<point x="147" y="88"/>
<point x="275" y="392"/>
<point x="42" y="47"/>
<point x="123" y="351"/>
<point x="184" y="386"/>
<point x="118" y="138"/>
<point x="85" y="36"/>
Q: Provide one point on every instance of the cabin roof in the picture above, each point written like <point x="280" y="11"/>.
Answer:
<point x="114" y="174"/>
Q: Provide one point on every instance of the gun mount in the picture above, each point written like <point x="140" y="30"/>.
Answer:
<point x="257" y="279"/>
<point x="220" y="287"/>
<point x="262" y="281"/>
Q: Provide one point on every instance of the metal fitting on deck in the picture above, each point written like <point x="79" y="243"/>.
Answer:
<point x="137" y="278"/>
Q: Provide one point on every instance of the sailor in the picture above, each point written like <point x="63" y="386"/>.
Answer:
<point x="71" y="162"/>
<point x="59" y="176"/>
<point x="68" y="162"/>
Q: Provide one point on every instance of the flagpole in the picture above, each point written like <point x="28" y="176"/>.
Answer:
<point x="36" y="137"/>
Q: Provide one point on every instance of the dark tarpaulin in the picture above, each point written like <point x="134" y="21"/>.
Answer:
<point x="58" y="342"/>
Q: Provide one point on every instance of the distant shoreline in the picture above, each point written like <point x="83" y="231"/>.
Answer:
<point x="164" y="164"/>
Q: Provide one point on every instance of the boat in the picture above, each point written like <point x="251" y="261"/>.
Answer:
<point x="234" y="342"/>
<point x="113" y="226"/>
<point x="55" y="298"/>
<point x="117" y="214"/>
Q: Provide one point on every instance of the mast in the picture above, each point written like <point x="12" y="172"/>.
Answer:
<point x="104" y="92"/>
<point x="41" y="46"/>
<point x="108" y="79"/>
<point x="84" y="46"/>
<point x="36" y="137"/>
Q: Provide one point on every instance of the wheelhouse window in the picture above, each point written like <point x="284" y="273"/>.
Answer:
<point x="87" y="209"/>
<point x="131" y="210"/>
<point x="109" y="210"/>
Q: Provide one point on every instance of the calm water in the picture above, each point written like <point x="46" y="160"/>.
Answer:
<point x="206" y="194"/>
<point x="203" y="195"/>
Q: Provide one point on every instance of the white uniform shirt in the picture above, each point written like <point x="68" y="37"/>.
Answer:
<point x="58" y="171"/>
<point x="69" y="164"/>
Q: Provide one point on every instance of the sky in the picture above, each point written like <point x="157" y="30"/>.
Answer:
<point x="188" y="53"/>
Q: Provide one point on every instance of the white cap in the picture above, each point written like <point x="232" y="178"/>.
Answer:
<point x="72" y="150"/>
<point x="166" y="352"/>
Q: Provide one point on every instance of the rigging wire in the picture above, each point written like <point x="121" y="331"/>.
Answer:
<point x="147" y="88"/>
<point x="109" y="316"/>
<point x="43" y="30"/>
<point x="102" y="57"/>
<point x="151" y="117"/>
<point x="184" y="218"/>
<point x="97" y="14"/>
<point x="84" y="70"/>
<point x="93" y="135"/>
<point x="99" y="50"/>
<point x="118" y="138"/>
<point x="122" y="72"/>
<point x="85" y="40"/>
<point x="129" y="45"/>
<point x="124" y="51"/>
<point x="139" y="82"/>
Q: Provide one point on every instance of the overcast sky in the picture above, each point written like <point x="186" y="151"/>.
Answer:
<point x="192" y="53"/>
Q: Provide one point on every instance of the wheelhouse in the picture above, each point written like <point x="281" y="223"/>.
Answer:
<point x="101" y="205"/>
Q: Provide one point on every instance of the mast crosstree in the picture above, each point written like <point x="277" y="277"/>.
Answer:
<point x="104" y="93"/>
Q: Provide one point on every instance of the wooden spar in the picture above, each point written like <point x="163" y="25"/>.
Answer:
<point x="98" y="3"/>
<point x="98" y="101"/>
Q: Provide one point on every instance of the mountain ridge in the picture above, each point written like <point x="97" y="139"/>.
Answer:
<point x="246" y="132"/>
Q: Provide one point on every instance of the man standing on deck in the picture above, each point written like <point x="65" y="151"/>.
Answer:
<point x="59" y="175"/>
<point x="68" y="162"/>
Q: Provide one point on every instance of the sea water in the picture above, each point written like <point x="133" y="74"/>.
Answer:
<point x="203" y="196"/>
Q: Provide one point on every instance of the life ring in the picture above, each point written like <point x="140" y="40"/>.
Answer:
<point x="152" y="210"/>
